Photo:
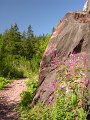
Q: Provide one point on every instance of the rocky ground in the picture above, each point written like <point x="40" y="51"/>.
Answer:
<point x="9" y="99"/>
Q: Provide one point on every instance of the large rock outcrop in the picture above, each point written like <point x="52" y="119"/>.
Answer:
<point x="71" y="36"/>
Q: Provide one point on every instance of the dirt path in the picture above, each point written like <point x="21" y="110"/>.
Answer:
<point x="10" y="97"/>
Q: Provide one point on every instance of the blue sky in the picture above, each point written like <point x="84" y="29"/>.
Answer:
<point x="42" y="15"/>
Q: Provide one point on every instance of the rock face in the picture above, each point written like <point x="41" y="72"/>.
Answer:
<point x="71" y="36"/>
<point x="87" y="6"/>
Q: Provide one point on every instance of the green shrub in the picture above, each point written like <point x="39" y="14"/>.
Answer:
<point x="11" y="72"/>
<point x="39" y="112"/>
<point x="9" y="67"/>
<point x="27" y="96"/>
<point x="34" y="64"/>
<point x="3" y="82"/>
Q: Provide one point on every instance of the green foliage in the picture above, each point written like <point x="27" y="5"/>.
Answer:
<point x="27" y="96"/>
<point x="70" y="103"/>
<point x="39" y="112"/>
<point x="35" y="63"/>
<point x="40" y="46"/>
<point x="9" y="67"/>
<point x="20" y="56"/>
<point x="30" y="33"/>
<point x="20" y="53"/>
<point x="3" y="82"/>
<point x="70" y="94"/>
<point x="82" y="114"/>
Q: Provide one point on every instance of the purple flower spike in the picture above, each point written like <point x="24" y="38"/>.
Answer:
<point x="85" y="82"/>
<point x="63" y="87"/>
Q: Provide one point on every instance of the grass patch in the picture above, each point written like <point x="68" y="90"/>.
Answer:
<point x="71" y="95"/>
<point x="3" y="82"/>
<point x="27" y="96"/>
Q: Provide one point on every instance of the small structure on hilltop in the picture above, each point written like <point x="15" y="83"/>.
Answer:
<point x="87" y="6"/>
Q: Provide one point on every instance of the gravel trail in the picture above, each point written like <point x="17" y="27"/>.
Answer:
<point x="9" y="99"/>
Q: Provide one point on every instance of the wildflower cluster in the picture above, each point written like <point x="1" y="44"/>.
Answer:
<point x="72" y="87"/>
<point x="68" y="93"/>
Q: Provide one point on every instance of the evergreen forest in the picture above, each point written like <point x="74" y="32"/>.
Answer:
<point x="20" y="53"/>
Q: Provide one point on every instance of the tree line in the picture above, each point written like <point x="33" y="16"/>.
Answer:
<point x="18" y="50"/>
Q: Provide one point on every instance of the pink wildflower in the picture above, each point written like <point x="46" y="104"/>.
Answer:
<point x="55" y="62"/>
<point x="50" y="99"/>
<point x="85" y="82"/>
<point x="53" y="85"/>
<point x="72" y="63"/>
<point x="63" y="87"/>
